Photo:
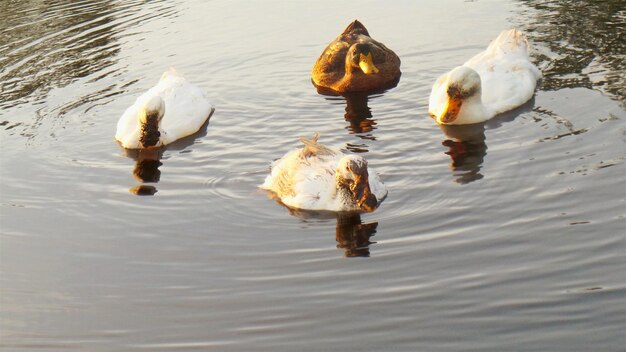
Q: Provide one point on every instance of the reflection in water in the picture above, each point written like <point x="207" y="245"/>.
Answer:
<point x="146" y="170"/>
<point x="467" y="149"/>
<point x="467" y="146"/>
<point x="354" y="236"/>
<point x="148" y="161"/>
<point x="143" y="190"/>
<point x="359" y="117"/>
<point x="350" y="233"/>
<point x="586" y="38"/>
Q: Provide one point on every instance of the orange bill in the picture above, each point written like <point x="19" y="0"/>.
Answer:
<point x="364" y="197"/>
<point x="450" y="110"/>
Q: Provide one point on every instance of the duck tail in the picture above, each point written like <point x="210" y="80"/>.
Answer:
<point x="511" y="40"/>
<point x="356" y="27"/>
<point x="312" y="147"/>
<point x="170" y="72"/>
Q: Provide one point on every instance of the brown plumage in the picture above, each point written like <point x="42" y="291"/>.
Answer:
<point x="337" y="69"/>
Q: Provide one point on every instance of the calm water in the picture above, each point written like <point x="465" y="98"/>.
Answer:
<point x="508" y="236"/>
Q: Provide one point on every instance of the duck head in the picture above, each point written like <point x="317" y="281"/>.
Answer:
<point x="150" y="115"/>
<point x="352" y="175"/>
<point x="359" y="58"/>
<point x="463" y="85"/>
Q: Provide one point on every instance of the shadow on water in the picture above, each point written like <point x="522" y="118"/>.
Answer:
<point x="586" y="40"/>
<point x="148" y="161"/>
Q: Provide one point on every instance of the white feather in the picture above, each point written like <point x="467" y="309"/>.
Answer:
<point x="186" y="109"/>
<point x="507" y="77"/>
<point x="309" y="182"/>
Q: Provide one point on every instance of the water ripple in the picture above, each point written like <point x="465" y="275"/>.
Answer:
<point x="64" y="42"/>
<point x="488" y="232"/>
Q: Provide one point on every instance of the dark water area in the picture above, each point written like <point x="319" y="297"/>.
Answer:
<point x="503" y="236"/>
<point x="583" y="44"/>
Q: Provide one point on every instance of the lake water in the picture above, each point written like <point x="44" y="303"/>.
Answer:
<point x="508" y="236"/>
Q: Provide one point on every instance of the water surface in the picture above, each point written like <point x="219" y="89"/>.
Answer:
<point x="507" y="236"/>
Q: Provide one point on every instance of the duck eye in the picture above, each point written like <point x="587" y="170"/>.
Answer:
<point x="454" y="92"/>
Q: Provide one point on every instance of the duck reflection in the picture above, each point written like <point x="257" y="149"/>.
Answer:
<point x="351" y="234"/>
<point x="146" y="170"/>
<point x="148" y="161"/>
<point x="147" y="166"/>
<point x="467" y="146"/>
<point x="467" y="149"/>
<point x="354" y="236"/>
<point x="359" y="117"/>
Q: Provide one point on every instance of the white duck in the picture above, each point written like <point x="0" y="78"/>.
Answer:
<point x="320" y="178"/>
<point x="171" y="110"/>
<point x="496" y="80"/>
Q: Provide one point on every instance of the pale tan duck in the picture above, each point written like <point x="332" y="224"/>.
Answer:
<point x="316" y="177"/>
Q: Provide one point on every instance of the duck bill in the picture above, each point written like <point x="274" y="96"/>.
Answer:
<point x="366" y="63"/>
<point x="363" y="195"/>
<point x="450" y="111"/>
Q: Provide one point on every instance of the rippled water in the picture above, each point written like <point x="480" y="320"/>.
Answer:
<point x="507" y="236"/>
